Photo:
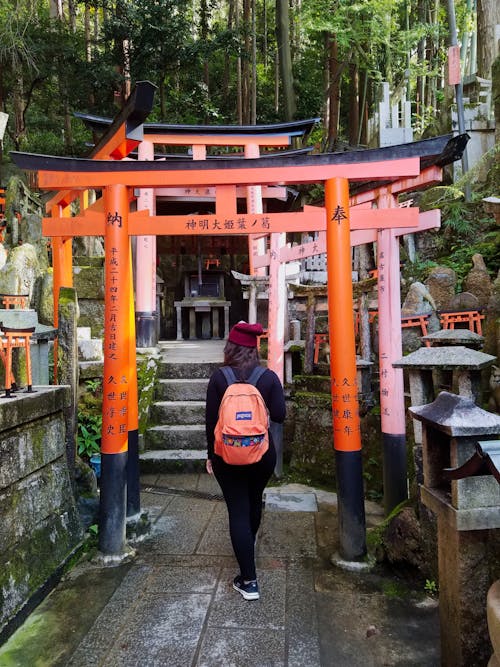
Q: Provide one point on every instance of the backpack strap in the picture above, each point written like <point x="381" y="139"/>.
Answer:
<point x="229" y="375"/>
<point x="231" y="378"/>
<point x="256" y="374"/>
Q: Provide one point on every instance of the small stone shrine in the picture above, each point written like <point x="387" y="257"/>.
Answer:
<point x="204" y="301"/>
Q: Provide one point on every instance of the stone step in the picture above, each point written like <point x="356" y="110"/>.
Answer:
<point x="178" y="412"/>
<point x="176" y="460"/>
<point x="173" y="437"/>
<point x="181" y="389"/>
<point x="187" y="369"/>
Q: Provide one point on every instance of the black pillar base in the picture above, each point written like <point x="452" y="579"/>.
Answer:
<point x="133" y="481"/>
<point x="146" y="329"/>
<point x="351" y="505"/>
<point x="395" y="471"/>
<point x="112" y="510"/>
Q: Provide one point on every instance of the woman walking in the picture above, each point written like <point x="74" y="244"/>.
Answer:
<point x="243" y="485"/>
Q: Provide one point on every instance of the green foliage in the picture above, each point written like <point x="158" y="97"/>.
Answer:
<point x="89" y="431"/>
<point x="450" y="200"/>
<point x="147" y="373"/>
<point x="416" y="271"/>
<point x="94" y="385"/>
<point x="430" y="587"/>
<point x="460" y="256"/>
<point x="194" y="53"/>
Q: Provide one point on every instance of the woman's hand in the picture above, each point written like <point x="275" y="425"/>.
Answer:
<point x="208" y="466"/>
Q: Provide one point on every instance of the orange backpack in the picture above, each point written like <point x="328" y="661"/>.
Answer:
<point x="241" y="432"/>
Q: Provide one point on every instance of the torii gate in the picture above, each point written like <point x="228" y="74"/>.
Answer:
<point x="392" y="408"/>
<point x="111" y="217"/>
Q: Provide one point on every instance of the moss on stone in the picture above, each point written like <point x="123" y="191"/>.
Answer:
<point x="147" y="378"/>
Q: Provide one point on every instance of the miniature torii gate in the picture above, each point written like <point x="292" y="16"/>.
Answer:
<point x="111" y="217"/>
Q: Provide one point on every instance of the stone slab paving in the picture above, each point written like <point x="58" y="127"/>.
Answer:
<point x="174" y="605"/>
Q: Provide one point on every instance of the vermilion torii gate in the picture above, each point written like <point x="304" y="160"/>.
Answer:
<point x="112" y="218"/>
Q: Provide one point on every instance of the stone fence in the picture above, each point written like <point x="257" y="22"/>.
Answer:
<point x="40" y="527"/>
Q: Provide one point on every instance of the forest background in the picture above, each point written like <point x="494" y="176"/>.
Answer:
<point x="232" y="62"/>
<point x="240" y="62"/>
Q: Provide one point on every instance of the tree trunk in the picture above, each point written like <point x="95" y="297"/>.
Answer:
<point x="163" y="106"/>
<point x="18" y="104"/>
<point x="88" y="39"/>
<point x="226" y="77"/>
<point x="253" y="114"/>
<point x="72" y="15"/>
<point x="334" y="91"/>
<point x="353" y="104"/>
<point x="363" y="111"/>
<point x="285" y="58"/>
<point x="245" y="64"/>
<point x="420" y="59"/>
<point x="204" y="17"/>
<point x="68" y="130"/>
<point x="488" y="16"/>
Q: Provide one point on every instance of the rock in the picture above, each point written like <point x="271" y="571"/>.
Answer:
<point x="3" y="255"/>
<point x="418" y="300"/>
<point x="46" y="301"/>
<point x="403" y="540"/>
<point x="464" y="301"/>
<point x="21" y="271"/>
<point x="478" y="281"/>
<point x="441" y="284"/>
<point x="372" y="630"/>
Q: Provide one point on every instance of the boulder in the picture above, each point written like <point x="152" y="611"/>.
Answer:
<point x="478" y="281"/>
<point x="464" y="301"/>
<point x="20" y="273"/>
<point x="441" y="283"/>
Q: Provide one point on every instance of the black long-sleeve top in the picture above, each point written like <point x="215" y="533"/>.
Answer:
<point x="269" y="386"/>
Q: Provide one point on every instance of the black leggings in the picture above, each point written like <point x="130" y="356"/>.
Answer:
<point x="243" y="487"/>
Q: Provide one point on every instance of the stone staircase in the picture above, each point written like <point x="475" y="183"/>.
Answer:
<point x="175" y="440"/>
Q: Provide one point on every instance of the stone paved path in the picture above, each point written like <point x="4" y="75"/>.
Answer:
<point x="174" y="606"/>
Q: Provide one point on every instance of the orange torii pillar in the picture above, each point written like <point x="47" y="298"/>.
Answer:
<point x="392" y="409"/>
<point x="145" y="265"/>
<point x="344" y="389"/>
<point x="114" y="443"/>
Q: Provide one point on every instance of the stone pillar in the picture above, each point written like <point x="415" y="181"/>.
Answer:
<point x="493" y="614"/>
<point x="67" y="361"/>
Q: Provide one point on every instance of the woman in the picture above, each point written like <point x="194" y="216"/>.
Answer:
<point x="243" y="485"/>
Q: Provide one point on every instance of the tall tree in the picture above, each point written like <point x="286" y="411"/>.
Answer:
<point x="488" y="18"/>
<point x="285" y="58"/>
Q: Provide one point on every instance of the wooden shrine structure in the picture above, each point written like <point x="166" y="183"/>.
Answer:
<point x="372" y="214"/>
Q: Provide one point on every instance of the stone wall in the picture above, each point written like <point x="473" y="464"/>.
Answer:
<point x="40" y="526"/>
<point x="308" y="436"/>
<point x="89" y="284"/>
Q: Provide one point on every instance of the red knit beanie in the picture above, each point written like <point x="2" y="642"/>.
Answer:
<point x="245" y="334"/>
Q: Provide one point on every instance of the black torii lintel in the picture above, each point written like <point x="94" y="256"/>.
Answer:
<point x="439" y="151"/>
<point x="296" y="128"/>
